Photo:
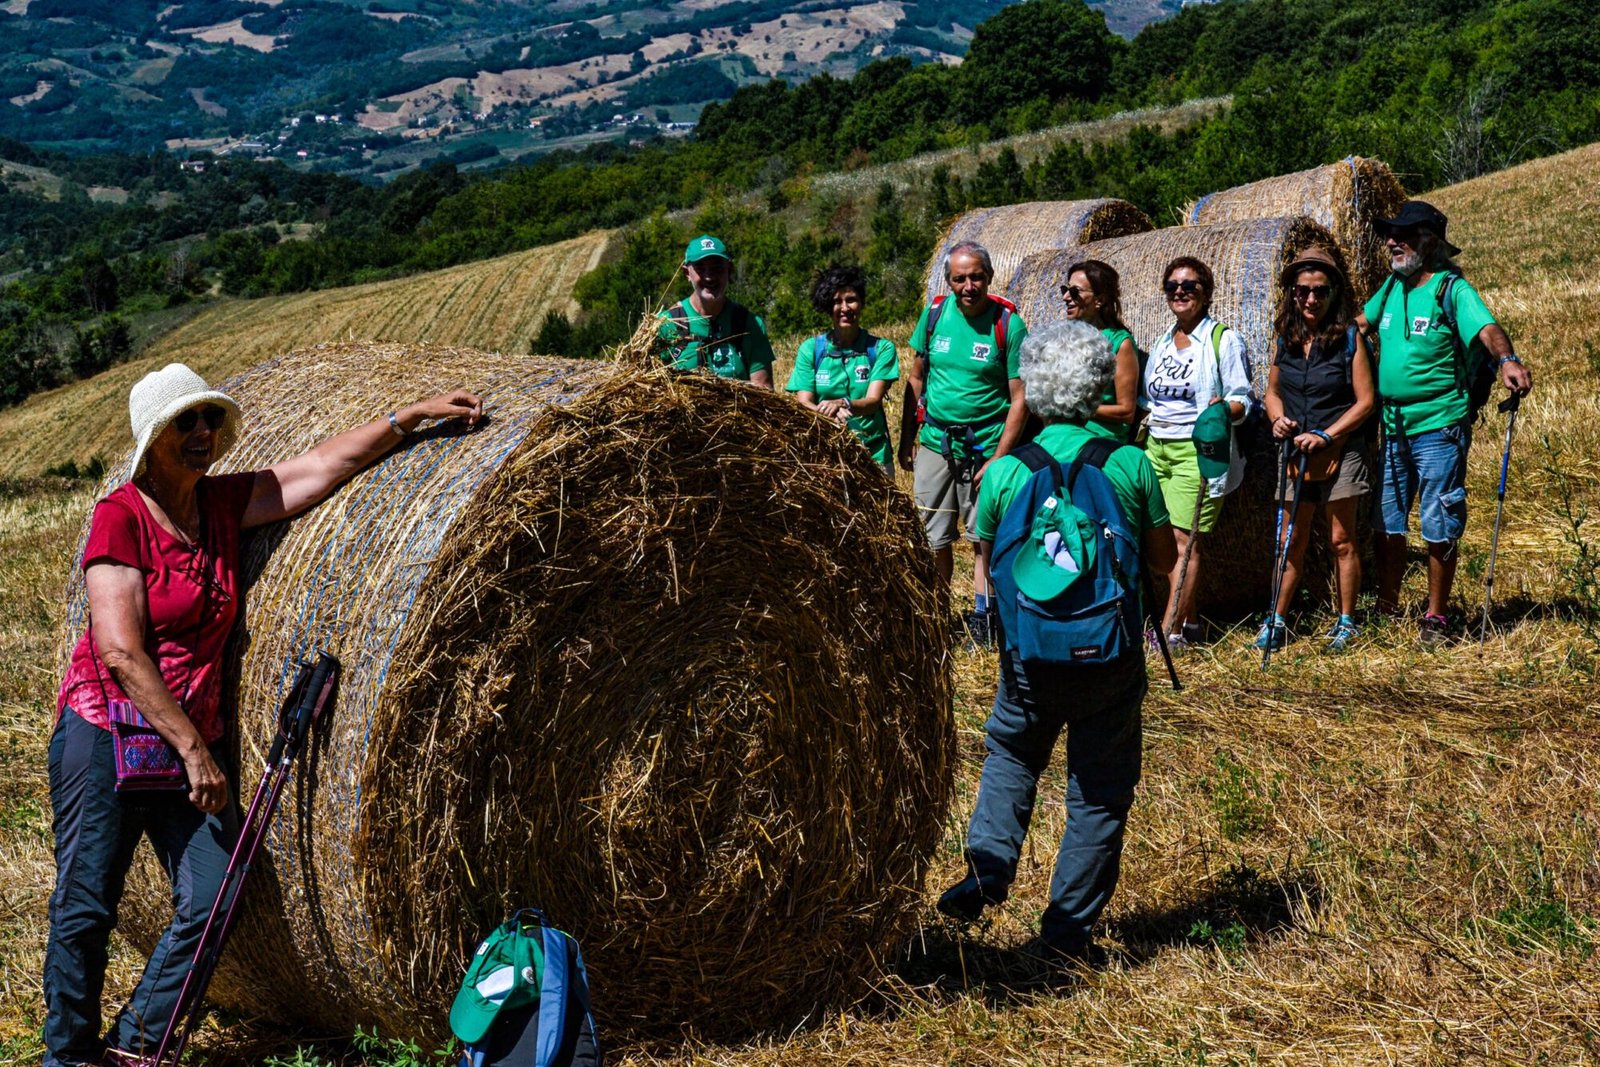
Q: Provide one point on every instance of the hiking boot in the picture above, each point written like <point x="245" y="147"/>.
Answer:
<point x="1344" y="631"/>
<point x="1434" y="630"/>
<point x="1273" y="635"/>
<point x="1078" y="955"/>
<point x="966" y="900"/>
<point x="979" y="631"/>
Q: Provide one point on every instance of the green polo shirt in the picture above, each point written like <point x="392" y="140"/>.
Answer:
<point x="1116" y="431"/>
<point x="728" y="357"/>
<point x="1128" y="470"/>
<point x="968" y="382"/>
<point x="1420" y="380"/>
<point x="849" y="372"/>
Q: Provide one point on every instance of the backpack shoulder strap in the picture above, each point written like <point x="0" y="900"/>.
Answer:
<point x="1002" y="320"/>
<point x="678" y="316"/>
<point x="1096" y="452"/>
<point x="741" y="326"/>
<point x="1033" y="456"/>
<point x="553" y="991"/>
<point x="935" y="313"/>
<point x="1217" y="332"/>
<point x="819" y="351"/>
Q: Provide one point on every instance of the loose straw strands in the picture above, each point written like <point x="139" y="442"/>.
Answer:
<point x="654" y="653"/>
<point x="1014" y="232"/>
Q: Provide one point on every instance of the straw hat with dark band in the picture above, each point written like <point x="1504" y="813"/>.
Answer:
<point x="161" y="396"/>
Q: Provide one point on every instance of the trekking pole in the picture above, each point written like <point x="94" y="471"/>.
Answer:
<point x="1277" y="539"/>
<point x="313" y="686"/>
<point x="1188" y="550"/>
<point x="1161" y="633"/>
<point x="1283" y="567"/>
<point x="1509" y="405"/>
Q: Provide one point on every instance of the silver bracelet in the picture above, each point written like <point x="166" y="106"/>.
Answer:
<point x="394" y="424"/>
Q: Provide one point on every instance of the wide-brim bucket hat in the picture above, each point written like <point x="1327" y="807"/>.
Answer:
<point x="1314" y="257"/>
<point x="161" y="396"/>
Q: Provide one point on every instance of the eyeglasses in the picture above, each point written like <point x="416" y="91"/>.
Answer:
<point x="213" y="415"/>
<point x="1305" y="292"/>
<point x="1188" y="285"/>
<point x="1075" y="294"/>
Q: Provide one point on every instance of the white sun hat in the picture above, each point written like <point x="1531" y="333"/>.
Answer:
<point x="163" y="395"/>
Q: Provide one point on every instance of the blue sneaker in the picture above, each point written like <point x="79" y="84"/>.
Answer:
<point x="1273" y="635"/>
<point x="1344" y="631"/>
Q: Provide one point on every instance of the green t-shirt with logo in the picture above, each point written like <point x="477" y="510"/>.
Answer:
<point x="968" y="382"/>
<point x="727" y="357"/>
<point x="1128" y="470"/>
<point x="848" y="372"/>
<point x="1421" y="381"/>
<point x="1115" y="431"/>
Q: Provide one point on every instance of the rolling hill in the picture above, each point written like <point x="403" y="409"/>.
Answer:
<point x="495" y="304"/>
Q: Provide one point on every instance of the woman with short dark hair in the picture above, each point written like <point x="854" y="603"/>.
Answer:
<point x="846" y="372"/>
<point x="161" y="569"/>
<point x="1196" y="363"/>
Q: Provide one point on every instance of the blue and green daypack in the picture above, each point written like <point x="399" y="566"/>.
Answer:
<point x="1065" y="565"/>
<point x="525" y="999"/>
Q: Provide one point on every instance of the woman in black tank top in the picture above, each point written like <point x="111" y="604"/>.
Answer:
<point x="1320" y="399"/>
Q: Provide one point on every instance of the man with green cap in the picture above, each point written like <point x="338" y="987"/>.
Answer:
<point x="706" y="330"/>
<point x="1066" y="369"/>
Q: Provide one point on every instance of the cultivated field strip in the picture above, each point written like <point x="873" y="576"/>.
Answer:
<point x="497" y="305"/>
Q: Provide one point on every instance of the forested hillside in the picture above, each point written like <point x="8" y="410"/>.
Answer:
<point x="1440" y="89"/>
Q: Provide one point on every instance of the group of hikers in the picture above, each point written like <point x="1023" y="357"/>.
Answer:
<point x="991" y="417"/>
<point x="1377" y="396"/>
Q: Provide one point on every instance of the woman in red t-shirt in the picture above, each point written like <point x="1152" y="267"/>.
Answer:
<point x="161" y="567"/>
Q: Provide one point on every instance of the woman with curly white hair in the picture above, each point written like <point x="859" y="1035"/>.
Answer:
<point x="1065" y="370"/>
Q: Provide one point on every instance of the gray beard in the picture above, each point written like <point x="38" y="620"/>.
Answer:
<point x="1406" y="265"/>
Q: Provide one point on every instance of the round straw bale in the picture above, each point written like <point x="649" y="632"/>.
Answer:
<point x="1013" y="232"/>
<point x="654" y="654"/>
<point x="1347" y="197"/>
<point x="1246" y="258"/>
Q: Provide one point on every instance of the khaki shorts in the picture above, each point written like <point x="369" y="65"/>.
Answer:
<point x="944" y="492"/>
<point x="1352" y="479"/>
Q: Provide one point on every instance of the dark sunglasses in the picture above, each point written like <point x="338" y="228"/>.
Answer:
<point x="1188" y="285"/>
<point x="213" y="415"/>
<point x="1321" y="292"/>
<point x="1075" y="293"/>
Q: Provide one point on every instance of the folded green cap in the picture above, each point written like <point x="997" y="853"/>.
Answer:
<point x="704" y="247"/>
<point x="1060" y="547"/>
<point x="504" y="974"/>
<point x="1213" y="436"/>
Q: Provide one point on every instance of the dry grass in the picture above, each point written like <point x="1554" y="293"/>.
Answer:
<point x="496" y="304"/>
<point x="1387" y="857"/>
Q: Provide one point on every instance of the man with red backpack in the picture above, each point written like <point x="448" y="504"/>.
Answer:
<point x="964" y="407"/>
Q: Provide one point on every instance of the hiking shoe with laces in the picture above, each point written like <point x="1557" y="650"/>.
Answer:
<point x="1344" y="631"/>
<point x="1273" y="635"/>
<point x="977" y="631"/>
<point x="966" y="900"/>
<point x="1434" y="630"/>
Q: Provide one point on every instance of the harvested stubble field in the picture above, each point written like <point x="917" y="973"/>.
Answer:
<point x="494" y="304"/>
<point x="1385" y="857"/>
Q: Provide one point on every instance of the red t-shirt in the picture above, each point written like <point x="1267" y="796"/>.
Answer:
<point x="193" y="594"/>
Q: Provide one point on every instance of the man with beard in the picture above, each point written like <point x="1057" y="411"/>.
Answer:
<point x="1434" y="334"/>
<point x="706" y="330"/>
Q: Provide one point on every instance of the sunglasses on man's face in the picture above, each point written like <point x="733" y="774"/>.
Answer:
<point x="1188" y="285"/>
<point x="1306" y="292"/>
<point x="213" y="415"/>
<point x="1076" y="295"/>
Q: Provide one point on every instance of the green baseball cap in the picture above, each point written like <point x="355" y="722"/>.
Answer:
<point x="504" y="974"/>
<point x="1061" y="546"/>
<point x="704" y="247"/>
<point x="1213" y="437"/>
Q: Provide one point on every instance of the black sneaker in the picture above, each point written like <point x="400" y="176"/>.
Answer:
<point x="1433" y="631"/>
<point x="966" y="900"/>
